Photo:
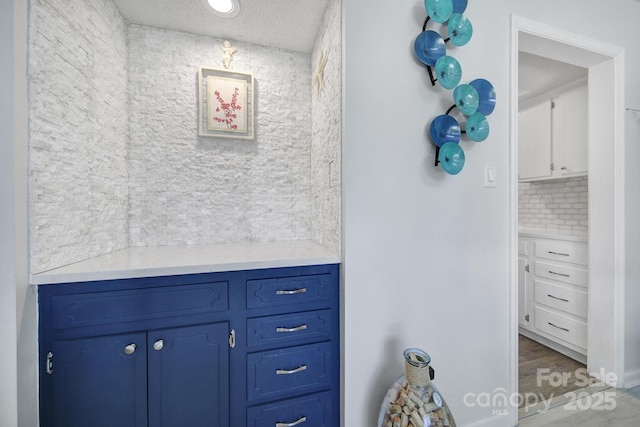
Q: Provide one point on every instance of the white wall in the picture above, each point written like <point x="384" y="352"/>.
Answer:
<point x="426" y="255"/>
<point x="326" y="131"/>
<point x="78" y="107"/>
<point x="8" y="328"/>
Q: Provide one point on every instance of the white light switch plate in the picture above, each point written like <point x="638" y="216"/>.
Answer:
<point x="490" y="175"/>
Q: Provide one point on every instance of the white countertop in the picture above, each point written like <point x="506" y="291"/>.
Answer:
<point x="552" y="234"/>
<point x="171" y="260"/>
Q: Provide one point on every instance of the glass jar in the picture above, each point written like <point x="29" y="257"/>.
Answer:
<point x="413" y="400"/>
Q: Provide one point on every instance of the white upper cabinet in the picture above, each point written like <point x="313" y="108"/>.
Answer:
<point x="569" y="141"/>
<point x="552" y="135"/>
<point x="534" y="141"/>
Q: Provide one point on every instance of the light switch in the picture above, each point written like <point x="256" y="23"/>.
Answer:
<point x="490" y="175"/>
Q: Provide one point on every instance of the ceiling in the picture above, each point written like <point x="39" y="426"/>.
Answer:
<point x="286" y="24"/>
<point x="537" y="74"/>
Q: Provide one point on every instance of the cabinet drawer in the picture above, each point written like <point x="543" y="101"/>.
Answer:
<point x="77" y="310"/>
<point x="562" y="272"/>
<point x="287" y="290"/>
<point x="289" y="327"/>
<point x="562" y="251"/>
<point x="569" y="330"/>
<point x="309" y="411"/>
<point x="572" y="301"/>
<point x="281" y="373"/>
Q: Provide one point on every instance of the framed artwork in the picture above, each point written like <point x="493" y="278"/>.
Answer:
<point x="225" y="104"/>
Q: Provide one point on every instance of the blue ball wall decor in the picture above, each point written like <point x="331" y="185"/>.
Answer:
<point x="439" y="10"/>
<point x="429" y="46"/>
<point x="474" y="100"/>
<point x="443" y="129"/>
<point x="451" y="157"/>
<point x="449" y="71"/>
<point x="477" y="128"/>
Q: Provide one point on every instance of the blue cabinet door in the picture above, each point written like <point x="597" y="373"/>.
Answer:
<point x="100" y="382"/>
<point x="189" y="376"/>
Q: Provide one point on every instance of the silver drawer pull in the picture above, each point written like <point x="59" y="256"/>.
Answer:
<point x="559" y="299"/>
<point x="559" y="274"/>
<point x="558" y="327"/>
<point x="292" y="292"/>
<point x="557" y="253"/>
<point x="296" y="329"/>
<point x="293" y="371"/>
<point x="295" y="423"/>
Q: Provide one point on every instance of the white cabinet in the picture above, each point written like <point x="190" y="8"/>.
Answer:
<point x="525" y="290"/>
<point x="553" y="290"/>
<point x="552" y="135"/>
<point x="534" y="141"/>
<point x="569" y="140"/>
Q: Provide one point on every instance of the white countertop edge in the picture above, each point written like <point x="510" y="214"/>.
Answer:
<point x="131" y="263"/>
<point x="551" y="234"/>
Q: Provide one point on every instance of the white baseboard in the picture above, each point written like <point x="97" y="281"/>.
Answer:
<point x="554" y="345"/>
<point x="493" y="421"/>
<point x="632" y="379"/>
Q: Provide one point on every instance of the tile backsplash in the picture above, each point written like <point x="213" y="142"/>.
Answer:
<point x="556" y="205"/>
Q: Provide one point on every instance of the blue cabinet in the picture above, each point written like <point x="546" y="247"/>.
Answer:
<point x="255" y="347"/>
<point x="97" y="384"/>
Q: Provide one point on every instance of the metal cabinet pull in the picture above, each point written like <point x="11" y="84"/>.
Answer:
<point x="559" y="274"/>
<point x="130" y="349"/>
<point x="158" y="345"/>
<point x="291" y="292"/>
<point x="557" y="253"/>
<point x="292" y="371"/>
<point x="296" y="329"/>
<point x="559" y="299"/>
<point x="558" y="327"/>
<point x="293" y="424"/>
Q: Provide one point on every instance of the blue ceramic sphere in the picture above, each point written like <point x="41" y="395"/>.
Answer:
<point x="443" y="129"/>
<point x="429" y="46"/>
<point x="448" y="71"/>
<point x="466" y="99"/>
<point x="486" y="95"/>
<point x="439" y="10"/>
<point x="459" y="6"/>
<point x="477" y="128"/>
<point x="460" y="29"/>
<point x="451" y="158"/>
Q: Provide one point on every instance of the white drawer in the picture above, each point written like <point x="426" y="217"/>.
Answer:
<point x="562" y="272"/>
<point x="569" y="330"/>
<point x="562" y="251"/>
<point x="572" y="301"/>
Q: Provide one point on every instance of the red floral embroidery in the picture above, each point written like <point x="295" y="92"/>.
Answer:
<point x="228" y="108"/>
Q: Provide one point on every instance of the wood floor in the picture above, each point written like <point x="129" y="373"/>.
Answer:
<point x="545" y="372"/>
<point x="609" y="407"/>
<point x="569" y="403"/>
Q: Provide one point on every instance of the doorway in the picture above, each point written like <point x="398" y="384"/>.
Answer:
<point x="605" y="125"/>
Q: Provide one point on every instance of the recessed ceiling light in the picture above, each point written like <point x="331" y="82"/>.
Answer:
<point x="224" y="8"/>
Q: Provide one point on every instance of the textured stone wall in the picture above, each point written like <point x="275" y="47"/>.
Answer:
<point x="115" y="156"/>
<point x="78" y="131"/>
<point x="190" y="190"/>
<point x="556" y="205"/>
<point x="326" y="128"/>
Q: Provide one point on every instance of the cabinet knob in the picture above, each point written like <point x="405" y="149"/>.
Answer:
<point x="157" y="346"/>
<point x="130" y="349"/>
<point x="564" y="168"/>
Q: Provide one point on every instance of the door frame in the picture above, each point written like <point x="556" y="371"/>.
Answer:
<point x="605" y="63"/>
